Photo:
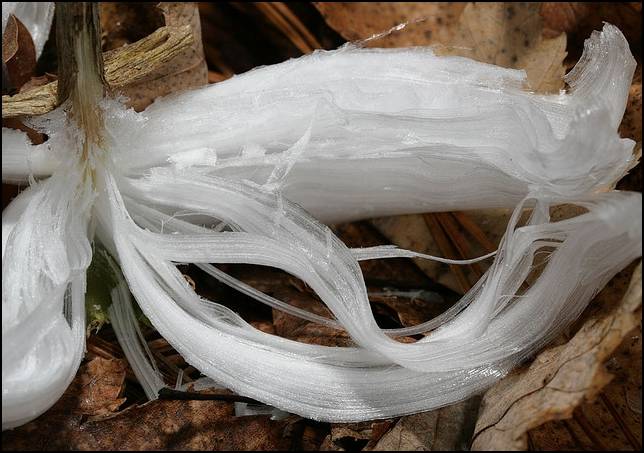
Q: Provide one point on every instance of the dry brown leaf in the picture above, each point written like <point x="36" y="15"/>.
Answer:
<point x="570" y="16"/>
<point x="18" y="52"/>
<point x="563" y="377"/>
<point x="506" y="34"/>
<point x="159" y="424"/>
<point x="99" y="386"/>
<point x="264" y="326"/>
<point x="286" y="325"/>
<point x="511" y="35"/>
<point x="349" y="436"/>
<point x="355" y="436"/>
<point x="312" y="436"/>
<point x="297" y="329"/>
<point x="614" y="419"/>
<point x="625" y="391"/>
<point x="611" y="422"/>
<point x="329" y="445"/>
<point x="448" y="428"/>
<point x="429" y="22"/>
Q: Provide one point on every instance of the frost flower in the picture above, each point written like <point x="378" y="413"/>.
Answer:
<point x="253" y="164"/>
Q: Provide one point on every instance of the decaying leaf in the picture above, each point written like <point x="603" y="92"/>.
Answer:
<point x="18" y="52"/>
<point x="312" y="435"/>
<point x="347" y="437"/>
<point x="505" y="34"/>
<point x="355" y="436"/>
<point x="429" y="22"/>
<point x="511" y="35"/>
<point x="611" y="422"/>
<point x="99" y="386"/>
<point x="167" y="425"/>
<point x="448" y="428"/>
<point x="563" y="377"/>
<point x="160" y="424"/>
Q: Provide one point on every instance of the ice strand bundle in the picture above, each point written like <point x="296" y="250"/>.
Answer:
<point x="45" y="252"/>
<point x="341" y="135"/>
<point x="380" y="377"/>
<point x="357" y="133"/>
<point x="416" y="126"/>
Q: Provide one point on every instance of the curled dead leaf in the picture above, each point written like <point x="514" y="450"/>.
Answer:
<point x="611" y="422"/>
<point x="561" y="378"/>
<point x="18" y="52"/>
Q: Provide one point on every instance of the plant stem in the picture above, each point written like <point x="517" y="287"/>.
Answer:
<point x="80" y="68"/>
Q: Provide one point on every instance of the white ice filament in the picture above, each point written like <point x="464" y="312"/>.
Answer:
<point x="250" y="169"/>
